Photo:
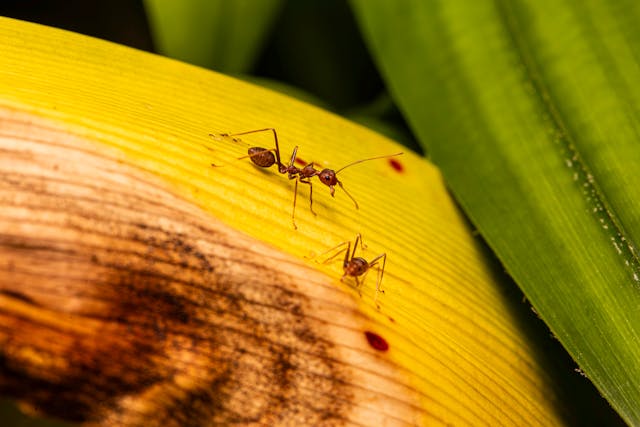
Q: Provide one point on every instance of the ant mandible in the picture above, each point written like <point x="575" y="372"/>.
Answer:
<point x="265" y="158"/>
<point x="355" y="267"/>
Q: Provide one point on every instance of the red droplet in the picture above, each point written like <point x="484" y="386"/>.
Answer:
<point x="396" y="165"/>
<point x="300" y="161"/>
<point x="376" y="341"/>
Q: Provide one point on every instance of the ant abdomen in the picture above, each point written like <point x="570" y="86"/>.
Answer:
<point x="261" y="157"/>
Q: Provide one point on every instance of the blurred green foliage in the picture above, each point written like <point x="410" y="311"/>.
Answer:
<point x="531" y="110"/>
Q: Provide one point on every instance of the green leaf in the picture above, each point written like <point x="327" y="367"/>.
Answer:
<point x="532" y="111"/>
<point x="219" y="34"/>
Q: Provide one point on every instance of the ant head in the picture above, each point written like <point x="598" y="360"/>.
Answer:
<point x="328" y="177"/>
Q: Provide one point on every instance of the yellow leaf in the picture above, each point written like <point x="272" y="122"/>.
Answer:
<point x="455" y="353"/>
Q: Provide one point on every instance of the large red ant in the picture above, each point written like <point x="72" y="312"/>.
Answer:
<point x="265" y="158"/>
<point x="355" y="267"/>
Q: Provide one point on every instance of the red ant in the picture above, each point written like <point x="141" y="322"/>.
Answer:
<point x="355" y="267"/>
<point x="265" y="158"/>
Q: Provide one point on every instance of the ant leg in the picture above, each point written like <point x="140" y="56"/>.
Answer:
<point x="310" y="194"/>
<point x="253" y="131"/>
<point x="294" y="153"/>
<point x="376" y="261"/>
<point x="335" y="255"/>
<point x="217" y="136"/>
<point x="275" y="138"/>
<point x="293" y="211"/>
<point x="295" y="197"/>
<point x="347" y="260"/>
<point x="363" y="246"/>
<point x="357" y="283"/>
<point x="291" y="170"/>
<point x="355" y="244"/>
<point x="350" y="196"/>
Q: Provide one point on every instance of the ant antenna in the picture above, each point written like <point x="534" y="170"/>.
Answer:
<point x="331" y="190"/>
<point x="366" y="160"/>
<point x="329" y="177"/>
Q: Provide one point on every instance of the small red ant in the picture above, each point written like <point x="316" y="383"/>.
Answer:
<point x="355" y="267"/>
<point x="265" y="158"/>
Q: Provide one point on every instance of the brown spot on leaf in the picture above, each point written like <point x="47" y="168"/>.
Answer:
<point x="376" y="341"/>
<point x="396" y="165"/>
